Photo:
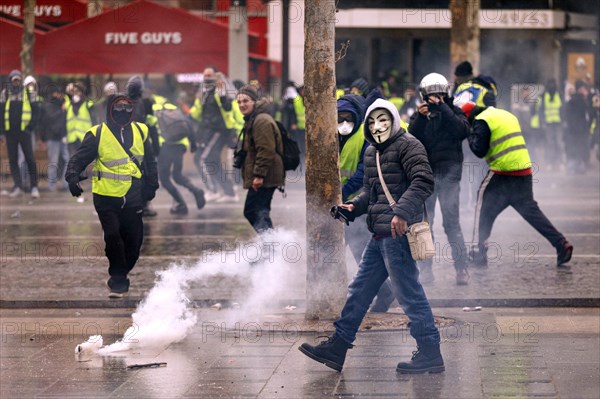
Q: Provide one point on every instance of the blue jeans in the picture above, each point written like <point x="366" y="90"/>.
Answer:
<point x="57" y="151"/>
<point x="382" y="258"/>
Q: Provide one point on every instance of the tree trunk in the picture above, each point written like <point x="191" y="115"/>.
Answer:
<point x="28" y="39"/>
<point x="326" y="268"/>
<point x="464" y="34"/>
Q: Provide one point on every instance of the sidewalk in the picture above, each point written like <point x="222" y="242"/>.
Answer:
<point x="495" y="353"/>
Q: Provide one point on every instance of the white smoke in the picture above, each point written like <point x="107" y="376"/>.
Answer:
<point x="270" y="263"/>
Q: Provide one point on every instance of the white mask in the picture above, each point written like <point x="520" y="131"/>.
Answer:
<point x="345" y="128"/>
<point x="76" y="98"/>
<point x="380" y="124"/>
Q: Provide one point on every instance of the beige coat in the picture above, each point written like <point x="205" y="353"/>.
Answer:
<point x="263" y="147"/>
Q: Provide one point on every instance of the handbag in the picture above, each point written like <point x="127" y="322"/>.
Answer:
<point x="419" y="235"/>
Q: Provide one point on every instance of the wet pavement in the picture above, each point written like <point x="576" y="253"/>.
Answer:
<point x="52" y="297"/>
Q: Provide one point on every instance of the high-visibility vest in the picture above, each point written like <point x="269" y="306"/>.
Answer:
<point x="300" y="112"/>
<point x="196" y="112"/>
<point x="78" y="124"/>
<point x="238" y="117"/>
<point x="534" y="123"/>
<point x="552" y="108"/>
<point x="113" y="169"/>
<point x="339" y="93"/>
<point x="508" y="152"/>
<point x="350" y="155"/>
<point x="25" y="113"/>
<point x="397" y="101"/>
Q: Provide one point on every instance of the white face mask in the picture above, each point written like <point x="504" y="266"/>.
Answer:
<point x="345" y="128"/>
<point x="76" y="98"/>
<point x="380" y="124"/>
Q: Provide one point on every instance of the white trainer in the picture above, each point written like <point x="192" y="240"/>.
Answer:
<point x="35" y="193"/>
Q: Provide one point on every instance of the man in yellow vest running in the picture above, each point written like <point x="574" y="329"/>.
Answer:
<point x="123" y="178"/>
<point x="20" y="113"/>
<point x="496" y="137"/>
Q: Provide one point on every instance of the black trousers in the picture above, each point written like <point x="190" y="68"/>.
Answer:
<point x="213" y="171"/>
<point x="170" y="164"/>
<point x="14" y="139"/>
<point x="123" y="233"/>
<point x="496" y="193"/>
<point x="257" y="208"/>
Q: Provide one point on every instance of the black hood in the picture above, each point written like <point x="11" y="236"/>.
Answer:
<point x="135" y="87"/>
<point x="112" y="119"/>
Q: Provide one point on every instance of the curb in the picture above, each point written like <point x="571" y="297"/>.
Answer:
<point x="132" y="302"/>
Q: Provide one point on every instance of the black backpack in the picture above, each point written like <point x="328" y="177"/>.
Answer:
<point x="291" y="151"/>
<point x="174" y="124"/>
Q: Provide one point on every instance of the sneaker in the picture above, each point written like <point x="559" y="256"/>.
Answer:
<point x="80" y="199"/>
<point x="118" y="287"/>
<point x="478" y="259"/>
<point x="462" y="277"/>
<point x="149" y="212"/>
<point x="179" y="209"/>
<point x="35" y="193"/>
<point x="210" y="196"/>
<point x="228" y="199"/>
<point x="15" y="192"/>
<point x="564" y="253"/>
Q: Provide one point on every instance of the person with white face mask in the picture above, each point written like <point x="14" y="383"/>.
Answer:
<point x="409" y="178"/>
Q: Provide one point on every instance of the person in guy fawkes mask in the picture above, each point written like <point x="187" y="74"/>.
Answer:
<point x="123" y="158"/>
<point x="143" y="112"/>
<point x="408" y="176"/>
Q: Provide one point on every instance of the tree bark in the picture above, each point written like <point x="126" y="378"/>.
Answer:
<point x="326" y="267"/>
<point x="464" y="34"/>
<point x="28" y="38"/>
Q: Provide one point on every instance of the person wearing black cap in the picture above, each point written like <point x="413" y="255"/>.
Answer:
<point x="262" y="166"/>
<point x="360" y="87"/>
<point x="578" y="116"/>
<point x="19" y="114"/>
<point x="481" y="90"/>
<point x="124" y="177"/>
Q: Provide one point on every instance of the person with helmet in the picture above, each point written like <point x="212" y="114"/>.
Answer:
<point x="124" y="177"/>
<point x="143" y="113"/>
<point x="442" y="127"/>
<point x="496" y="137"/>
<point x="19" y="110"/>
<point x="409" y="180"/>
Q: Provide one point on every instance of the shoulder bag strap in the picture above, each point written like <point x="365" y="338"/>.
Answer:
<point x="388" y="195"/>
<point x="383" y="185"/>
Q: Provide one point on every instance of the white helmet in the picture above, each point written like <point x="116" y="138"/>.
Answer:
<point x="29" y="80"/>
<point x="434" y="83"/>
<point x="110" y="88"/>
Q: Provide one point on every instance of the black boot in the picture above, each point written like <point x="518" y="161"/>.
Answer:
<point x="332" y="352"/>
<point x="199" y="196"/>
<point x="426" y="359"/>
<point x="564" y="251"/>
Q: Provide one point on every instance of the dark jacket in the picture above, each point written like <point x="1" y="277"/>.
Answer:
<point x="442" y="134"/>
<point x="88" y="152"/>
<point x="406" y="172"/>
<point x="16" y="109"/>
<point x="578" y="115"/>
<point x="54" y="119"/>
<point x="263" y="146"/>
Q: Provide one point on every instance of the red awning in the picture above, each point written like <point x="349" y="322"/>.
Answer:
<point x="140" y="37"/>
<point x="10" y="44"/>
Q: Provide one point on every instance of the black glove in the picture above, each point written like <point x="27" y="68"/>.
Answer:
<point x="342" y="214"/>
<point x="75" y="189"/>
<point x="193" y="146"/>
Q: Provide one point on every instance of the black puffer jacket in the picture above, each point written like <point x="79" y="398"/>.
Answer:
<point x="442" y="134"/>
<point x="406" y="172"/>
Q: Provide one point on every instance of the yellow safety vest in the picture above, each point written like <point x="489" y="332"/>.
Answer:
<point x="300" y="112"/>
<point x="552" y="108"/>
<point x="228" y="118"/>
<point x="78" y="124"/>
<point x="508" y="152"/>
<point x="113" y="169"/>
<point x="25" y="113"/>
<point x="350" y="155"/>
<point x="535" y="119"/>
<point x="397" y="101"/>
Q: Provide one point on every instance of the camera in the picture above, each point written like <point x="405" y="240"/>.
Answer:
<point x="238" y="158"/>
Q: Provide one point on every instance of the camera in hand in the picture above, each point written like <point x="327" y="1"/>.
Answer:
<point x="238" y="158"/>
